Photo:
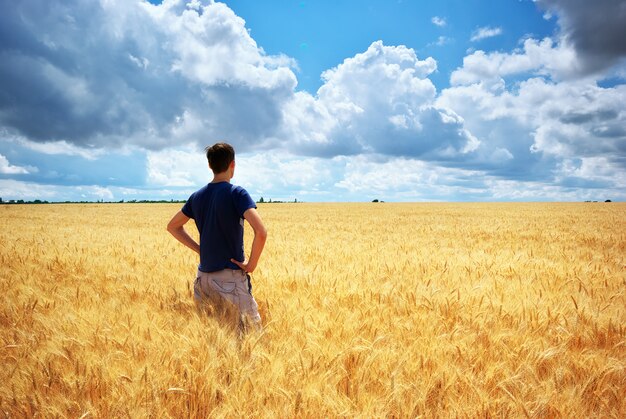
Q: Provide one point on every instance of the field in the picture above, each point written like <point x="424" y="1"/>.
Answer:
<point x="370" y="310"/>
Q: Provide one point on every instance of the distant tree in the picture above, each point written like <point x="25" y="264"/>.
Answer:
<point x="375" y="200"/>
<point x="261" y="200"/>
<point x="608" y="200"/>
<point x="0" y="200"/>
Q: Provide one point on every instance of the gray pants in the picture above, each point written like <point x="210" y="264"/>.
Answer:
<point x="228" y="287"/>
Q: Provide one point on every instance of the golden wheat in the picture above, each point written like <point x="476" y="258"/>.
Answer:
<point x="370" y="310"/>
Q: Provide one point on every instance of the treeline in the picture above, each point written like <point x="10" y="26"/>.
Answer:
<point x="263" y="201"/>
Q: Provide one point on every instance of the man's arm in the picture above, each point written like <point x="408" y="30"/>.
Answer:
<point x="260" y="235"/>
<point x="176" y="227"/>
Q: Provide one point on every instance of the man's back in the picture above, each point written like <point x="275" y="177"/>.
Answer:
<point x="217" y="210"/>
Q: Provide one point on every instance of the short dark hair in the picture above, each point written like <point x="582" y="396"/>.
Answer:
<point x="220" y="156"/>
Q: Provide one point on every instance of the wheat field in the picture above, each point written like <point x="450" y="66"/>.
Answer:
<point x="369" y="310"/>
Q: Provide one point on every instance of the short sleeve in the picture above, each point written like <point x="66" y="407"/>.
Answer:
<point x="243" y="201"/>
<point x="187" y="209"/>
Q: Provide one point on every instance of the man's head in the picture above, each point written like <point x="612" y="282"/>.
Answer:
<point x="220" y="157"/>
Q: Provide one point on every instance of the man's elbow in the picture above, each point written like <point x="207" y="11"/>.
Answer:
<point x="171" y="228"/>
<point x="261" y="233"/>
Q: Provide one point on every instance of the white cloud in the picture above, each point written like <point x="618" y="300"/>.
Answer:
<point x="60" y="148"/>
<point x="592" y="169"/>
<point x="210" y="44"/>
<point x="441" y="41"/>
<point x="11" y="189"/>
<point x="438" y="21"/>
<point x="501" y="155"/>
<point x="280" y="175"/>
<point x="9" y="169"/>
<point x="177" y="167"/>
<point x="397" y="117"/>
<point x="274" y="174"/>
<point x="505" y="189"/>
<point x="544" y="57"/>
<point x="405" y="179"/>
<point x="485" y="32"/>
<point x="139" y="62"/>
<point x="577" y="119"/>
<point x="14" y="189"/>
<point x="96" y="191"/>
<point x="285" y="176"/>
<point x="544" y="118"/>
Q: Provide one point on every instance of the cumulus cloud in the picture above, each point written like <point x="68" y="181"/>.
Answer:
<point x="536" y="57"/>
<point x="379" y="101"/>
<point x="539" y="119"/>
<point x="576" y="118"/>
<point x="104" y="74"/>
<point x="596" y="29"/>
<point x="485" y="32"/>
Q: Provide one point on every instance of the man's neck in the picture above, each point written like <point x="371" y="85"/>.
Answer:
<point x="221" y="177"/>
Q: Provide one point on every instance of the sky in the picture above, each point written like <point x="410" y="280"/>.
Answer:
<point x="323" y="100"/>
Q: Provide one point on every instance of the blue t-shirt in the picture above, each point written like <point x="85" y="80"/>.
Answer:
<point x="218" y="211"/>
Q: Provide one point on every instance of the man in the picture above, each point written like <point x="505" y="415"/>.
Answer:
<point x="219" y="210"/>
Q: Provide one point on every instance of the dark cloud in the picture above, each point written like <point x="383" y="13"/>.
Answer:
<point x="597" y="29"/>
<point x="105" y="74"/>
<point x="63" y="79"/>
<point x="578" y="118"/>
<point x="611" y="131"/>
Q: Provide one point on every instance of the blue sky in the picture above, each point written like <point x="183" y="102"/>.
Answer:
<point x="321" y="34"/>
<point x="512" y="100"/>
